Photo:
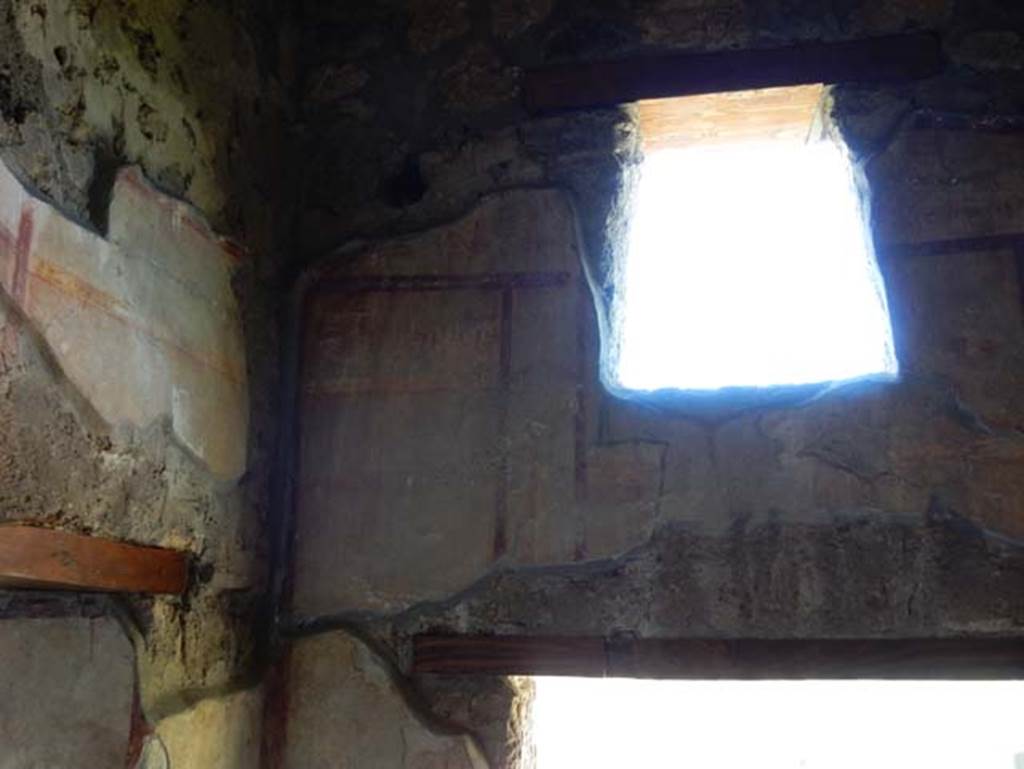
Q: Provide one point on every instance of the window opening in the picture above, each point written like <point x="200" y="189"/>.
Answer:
<point x="611" y="723"/>
<point x="749" y="261"/>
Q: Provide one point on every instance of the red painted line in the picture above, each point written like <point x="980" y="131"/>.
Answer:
<point x="276" y="710"/>
<point x="152" y="337"/>
<point x="495" y="281"/>
<point x="139" y="729"/>
<point x="22" y="250"/>
<point x="6" y="251"/>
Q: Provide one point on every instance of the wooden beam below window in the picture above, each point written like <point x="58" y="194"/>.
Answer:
<point x="742" y="659"/>
<point x="49" y="559"/>
<point x="607" y="83"/>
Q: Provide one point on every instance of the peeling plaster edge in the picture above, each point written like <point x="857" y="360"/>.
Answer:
<point x="378" y="623"/>
<point x="132" y="174"/>
<point x="39" y="351"/>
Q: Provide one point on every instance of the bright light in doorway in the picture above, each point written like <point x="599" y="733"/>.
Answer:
<point x="615" y="723"/>
<point x="750" y="265"/>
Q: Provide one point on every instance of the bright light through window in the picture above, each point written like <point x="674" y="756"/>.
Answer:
<point x="615" y="723"/>
<point x="750" y="264"/>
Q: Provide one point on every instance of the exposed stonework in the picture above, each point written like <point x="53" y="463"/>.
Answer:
<point x="513" y="17"/>
<point x="858" y="576"/>
<point x="173" y="86"/>
<point x="495" y="710"/>
<point x="433" y="23"/>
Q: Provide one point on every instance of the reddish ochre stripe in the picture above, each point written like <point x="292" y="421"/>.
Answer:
<point x="22" y="248"/>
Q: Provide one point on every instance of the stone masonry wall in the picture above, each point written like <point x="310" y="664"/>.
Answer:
<point x="459" y="465"/>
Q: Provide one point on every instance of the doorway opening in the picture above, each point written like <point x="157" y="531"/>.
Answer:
<point x="609" y="723"/>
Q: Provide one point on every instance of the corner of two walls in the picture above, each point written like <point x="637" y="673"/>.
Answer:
<point x="138" y="367"/>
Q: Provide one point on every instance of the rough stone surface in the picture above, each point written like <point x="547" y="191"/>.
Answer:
<point x="479" y="81"/>
<point x="174" y="86"/>
<point x="992" y="49"/>
<point x="496" y="711"/>
<point x="66" y="687"/>
<point x="513" y="17"/>
<point x="344" y="709"/>
<point x="696" y="23"/>
<point x="856" y="576"/>
<point x="435" y="22"/>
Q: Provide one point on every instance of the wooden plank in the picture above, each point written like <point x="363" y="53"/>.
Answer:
<point x="748" y="659"/>
<point x="606" y="83"/>
<point x="740" y="659"/>
<point x="509" y="655"/>
<point x="735" y="116"/>
<point x="45" y="558"/>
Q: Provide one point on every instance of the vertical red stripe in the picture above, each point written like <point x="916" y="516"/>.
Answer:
<point x="22" y="249"/>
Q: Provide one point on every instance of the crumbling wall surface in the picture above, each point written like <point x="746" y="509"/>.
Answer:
<point x="460" y="467"/>
<point x="186" y="90"/>
<point x="137" y="345"/>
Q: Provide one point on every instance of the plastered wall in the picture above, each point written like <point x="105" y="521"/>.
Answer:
<point x="140" y="159"/>
<point x="460" y="468"/>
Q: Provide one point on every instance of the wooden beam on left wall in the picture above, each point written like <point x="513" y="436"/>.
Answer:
<point x="58" y="560"/>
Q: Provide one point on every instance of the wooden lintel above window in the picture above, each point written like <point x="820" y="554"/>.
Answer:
<point x="734" y="116"/>
<point x="902" y="658"/>
<point x="59" y="560"/>
<point x="605" y="83"/>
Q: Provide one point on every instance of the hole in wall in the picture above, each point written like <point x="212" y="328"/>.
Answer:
<point x="749" y="261"/>
<point x="408" y="185"/>
<point x="606" y="723"/>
